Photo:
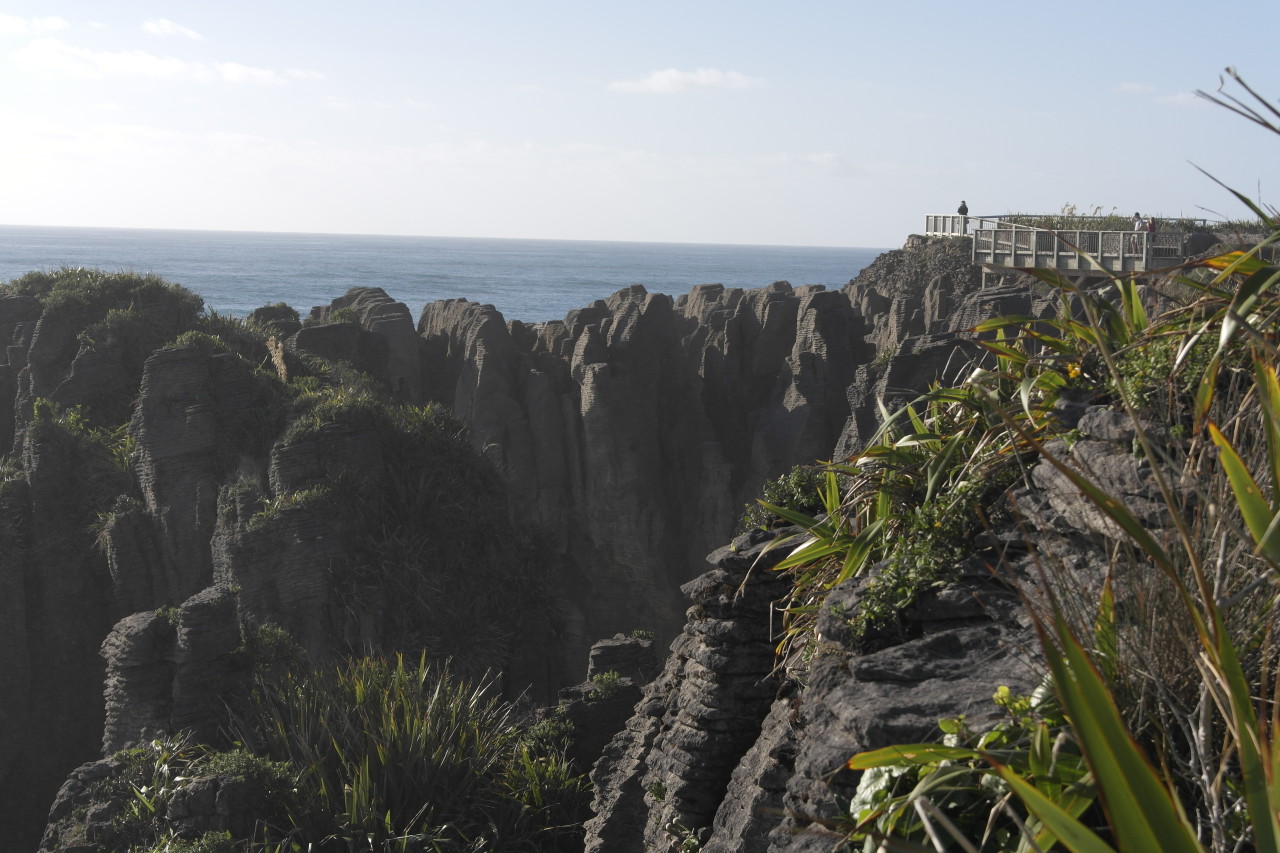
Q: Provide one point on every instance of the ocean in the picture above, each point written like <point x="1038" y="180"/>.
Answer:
<point x="529" y="280"/>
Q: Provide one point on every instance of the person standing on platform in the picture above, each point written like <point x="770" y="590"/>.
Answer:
<point x="963" y="210"/>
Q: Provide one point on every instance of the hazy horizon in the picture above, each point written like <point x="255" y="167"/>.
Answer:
<point x="443" y="236"/>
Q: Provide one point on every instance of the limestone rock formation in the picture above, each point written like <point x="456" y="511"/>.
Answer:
<point x="632" y="433"/>
<point x="664" y="776"/>
<point x="146" y="469"/>
<point x="170" y="671"/>
<point x="637" y="429"/>
<point x="766" y="773"/>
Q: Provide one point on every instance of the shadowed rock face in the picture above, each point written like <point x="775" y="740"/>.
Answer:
<point x="720" y="751"/>
<point x="634" y="431"/>
<point x="94" y="530"/>
<point x="637" y="429"/>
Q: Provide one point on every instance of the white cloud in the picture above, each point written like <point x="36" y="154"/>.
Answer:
<point x="234" y="72"/>
<point x="55" y="58"/>
<point x="672" y="80"/>
<point x="59" y="59"/>
<point x="164" y="28"/>
<point x="12" y="25"/>
<point x="1183" y="99"/>
<point x="1135" y="88"/>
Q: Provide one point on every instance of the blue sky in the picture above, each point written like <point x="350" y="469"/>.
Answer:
<point x="819" y="123"/>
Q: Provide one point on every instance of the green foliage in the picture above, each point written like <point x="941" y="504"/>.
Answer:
<point x="344" y="315"/>
<point x="605" y="685"/>
<point x="128" y="314"/>
<point x="642" y="634"/>
<point x="934" y="539"/>
<point x="1167" y="693"/>
<point x="272" y="650"/>
<point x="103" y="454"/>
<point x="272" y="509"/>
<point x="201" y="340"/>
<point x="80" y="287"/>
<point x="959" y="779"/>
<point x="799" y="489"/>
<point x="236" y="334"/>
<point x="409" y="757"/>
<point x="170" y="614"/>
<point x="149" y="776"/>
<point x="552" y="734"/>
<point x="341" y="315"/>
<point x="209" y="842"/>
<point x="905" y="503"/>
<point x="426" y="536"/>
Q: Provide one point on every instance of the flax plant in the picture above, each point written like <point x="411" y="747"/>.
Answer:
<point x="400" y="757"/>
<point x="1203" y="773"/>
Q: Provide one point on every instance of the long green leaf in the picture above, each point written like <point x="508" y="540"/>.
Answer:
<point x="1257" y="755"/>
<point x="1105" y="634"/>
<point x="1258" y="514"/>
<point x="1062" y="824"/>
<point x="1205" y="390"/>
<point x="1134" y="314"/>
<point x="1143" y="813"/>
<point x="1268" y="385"/>
<point x="910" y="754"/>
<point x="859" y="549"/>
<point x="1005" y="321"/>
<point x="1246" y="298"/>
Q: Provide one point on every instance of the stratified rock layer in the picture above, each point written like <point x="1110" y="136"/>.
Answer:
<point x="637" y="429"/>
<point x="633" y="432"/>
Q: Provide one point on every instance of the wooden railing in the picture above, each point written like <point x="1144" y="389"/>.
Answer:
<point x="954" y="225"/>
<point x="1000" y="244"/>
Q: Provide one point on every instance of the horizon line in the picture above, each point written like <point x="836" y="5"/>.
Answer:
<point x="445" y="236"/>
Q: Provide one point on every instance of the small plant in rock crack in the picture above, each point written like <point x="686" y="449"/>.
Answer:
<point x="605" y="685"/>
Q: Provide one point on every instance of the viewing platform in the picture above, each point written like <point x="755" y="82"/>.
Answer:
<point x="1000" y="245"/>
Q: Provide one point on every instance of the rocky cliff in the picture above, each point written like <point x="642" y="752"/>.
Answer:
<point x="636" y="430"/>
<point x="187" y="480"/>
<point x="243" y="494"/>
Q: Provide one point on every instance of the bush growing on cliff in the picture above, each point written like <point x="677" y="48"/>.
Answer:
<point x="128" y="313"/>
<point x="400" y="756"/>
<point x="427" y="538"/>
<point x="799" y="489"/>
<point x="138" y="804"/>
<point x="94" y="292"/>
<point x="1166" y="680"/>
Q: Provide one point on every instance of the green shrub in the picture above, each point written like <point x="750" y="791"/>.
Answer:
<point x="605" y="685"/>
<point x="134" y="314"/>
<point x="393" y="751"/>
<point x="552" y="734"/>
<point x="209" y="842"/>
<point x="1166" y="678"/>
<point x="427" y="539"/>
<point x="273" y="650"/>
<point x="798" y="489"/>
<point x="340" y="315"/>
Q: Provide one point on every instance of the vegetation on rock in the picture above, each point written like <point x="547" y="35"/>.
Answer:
<point x="1160" y="733"/>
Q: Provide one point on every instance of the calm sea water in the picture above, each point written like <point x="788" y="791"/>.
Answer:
<point x="529" y="280"/>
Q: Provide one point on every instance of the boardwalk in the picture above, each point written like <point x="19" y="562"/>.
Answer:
<point x="1000" y="245"/>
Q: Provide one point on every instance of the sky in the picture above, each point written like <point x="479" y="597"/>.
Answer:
<point x="807" y="124"/>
